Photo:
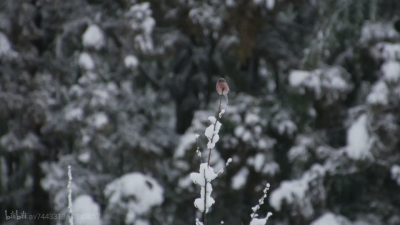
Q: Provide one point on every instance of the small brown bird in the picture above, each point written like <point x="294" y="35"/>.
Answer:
<point x="222" y="88"/>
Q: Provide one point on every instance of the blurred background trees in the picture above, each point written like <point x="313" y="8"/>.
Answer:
<point x="117" y="90"/>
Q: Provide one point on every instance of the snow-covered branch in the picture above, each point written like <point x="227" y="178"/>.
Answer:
<point x="254" y="216"/>
<point x="71" y="216"/>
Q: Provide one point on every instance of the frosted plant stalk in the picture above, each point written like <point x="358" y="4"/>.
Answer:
<point x="206" y="173"/>
<point x="254" y="215"/>
<point x="71" y="216"/>
<point x="217" y="125"/>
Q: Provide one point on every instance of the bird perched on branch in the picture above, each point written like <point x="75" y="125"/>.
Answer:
<point x="222" y="88"/>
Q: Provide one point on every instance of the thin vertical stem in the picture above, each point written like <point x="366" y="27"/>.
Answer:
<point x="205" y="199"/>
<point x="215" y="125"/>
<point x="208" y="162"/>
<point x="71" y="215"/>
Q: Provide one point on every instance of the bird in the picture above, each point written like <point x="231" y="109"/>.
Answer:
<point x="223" y="88"/>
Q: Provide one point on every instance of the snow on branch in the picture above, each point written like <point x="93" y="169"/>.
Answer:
<point x="254" y="215"/>
<point x="203" y="179"/>
<point x="69" y="187"/>
<point x="206" y="173"/>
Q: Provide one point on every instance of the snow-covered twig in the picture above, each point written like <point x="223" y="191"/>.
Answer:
<point x="215" y="130"/>
<point x="223" y="169"/>
<point x="203" y="179"/>
<point x="254" y="215"/>
<point x="71" y="216"/>
<point x="207" y="174"/>
<point x="198" y="153"/>
<point x="205" y="199"/>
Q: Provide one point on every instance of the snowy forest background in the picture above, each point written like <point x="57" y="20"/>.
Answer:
<point x="118" y="89"/>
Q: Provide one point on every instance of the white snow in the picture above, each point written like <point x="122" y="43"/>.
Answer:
<point x="379" y="94"/>
<point x="239" y="180"/>
<point x="206" y="16"/>
<point x="204" y="179"/>
<point x="391" y="71"/>
<point x="221" y="113"/>
<point x="141" y="222"/>
<point x="395" y="173"/>
<point x="270" y="4"/>
<point x="131" y="61"/>
<point x="358" y="141"/>
<point x="76" y="91"/>
<point x="139" y="11"/>
<point x="257" y="161"/>
<point x="327" y="82"/>
<point x="206" y="172"/>
<point x="258" y="2"/>
<point x="258" y="130"/>
<point x="326" y="219"/>
<point x="86" y="61"/>
<point x="239" y="130"/>
<point x="99" y="120"/>
<point x="377" y="31"/>
<point x="135" y="192"/>
<point x="86" y="211"/>
<point x="93" y="37"/>
<point x="144" y="43"/>
<point x="30" y="141"/>
<point x="9" y="141"/>
<point x="212" y="119"/>
<point x="260" y="221"/>
<point x="5" y="46"/>
<point x="271" y="168"/>
<point x="198" y="222"/>
<point x="148" y="25"/>
<point x="183" y="165"/>
<point x="185" y="182"/>
<point x="199" y="202"/>
<point x="112" y="88"/>
<point x="211" y="143"/>
<point x="84" y="157"/>
<point x="100" y="97"/>
<point x="287" y="126"/>
<point x="289" y="191"/>
<point x="247" y="136"/>
<point x="88" y="78"/>
<point x="85" y="137"/>
<point x="337" y="82"/>
<point x="294" y="191"/>
<point x="230" y="3"/>
<point x="212" y="134"/>
<point x="216" y="160"/>
<point x="298" y="77"/>
<point x="387" y="51"/>
<point x="141" y="19"/>
<point x="74" y="114"/>
<point x="70" y="205"/>
<point x="262" y="144"/>
<point x="251" y="119"/>
<point x="187" y="140"/>
<point x="298" y="153"/>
